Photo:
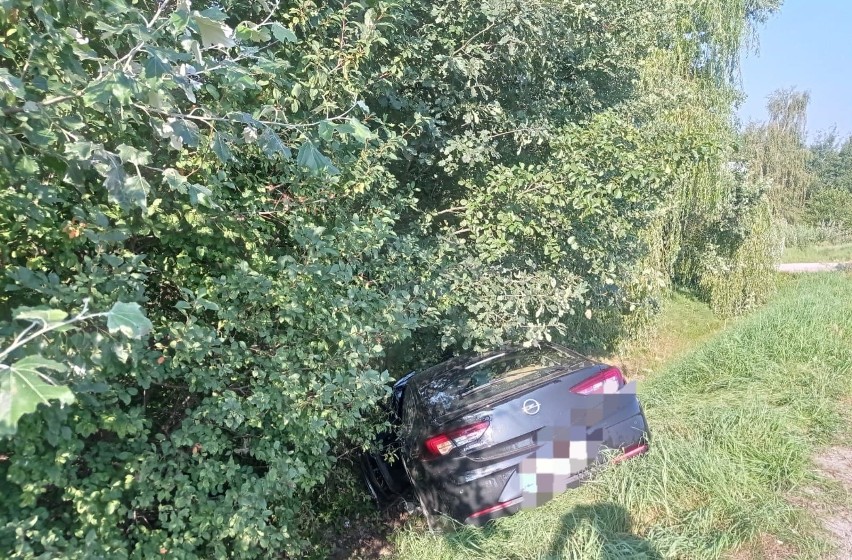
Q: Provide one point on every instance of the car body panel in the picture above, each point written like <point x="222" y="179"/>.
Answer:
<point x="541" y="439"/>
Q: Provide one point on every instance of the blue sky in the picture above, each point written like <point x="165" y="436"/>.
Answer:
<point x="807" y="45"/>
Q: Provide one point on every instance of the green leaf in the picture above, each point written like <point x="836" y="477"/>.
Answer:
<point x="360" y="132"/>
<point x="118" y="188"/>
<point x="215" y="14"/>
<point x="174" y="180"/>
<point x="179" y="20"/>
<point x="45" y="315"/>
<point x="272" y="145"/>
<point x="73" y="122"/>
<point x="129" y="154"/>
<point x="80" y="150"/>
<point x="23" y="387"/>
<point x="122" y="89"/>
<point x="211" y="89"/>
<point x="250" y="31"/>
<point x="313" y="159"/>
<point x="26" y="166"/>
<point x="135" y="191"/>
<point x="220" y="148"/>
<point x="128" y="319"/>
<point x="199" y="194"/>
<point x="207" y="304"/>
<point x="40" y="136"/>
<point x="11" y="84"/>
<point x="181" y="133"/>
<point x="213" y="33"/>
<point x="283" y="34"/>
<point x="191" y="46"/>
<point x="155" y="67"/>
<point x="325" y="130"/>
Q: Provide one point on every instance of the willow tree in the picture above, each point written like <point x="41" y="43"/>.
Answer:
<point x="712" y="233"/>
<point x="777" y="152"/>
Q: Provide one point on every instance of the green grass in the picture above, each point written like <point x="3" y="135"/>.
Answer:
<point x="818" y="253"/>
<point x="735" y="423"/>
<point x="683" y="323"/>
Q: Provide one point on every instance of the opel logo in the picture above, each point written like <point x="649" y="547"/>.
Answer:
<point x="531" y="407"/>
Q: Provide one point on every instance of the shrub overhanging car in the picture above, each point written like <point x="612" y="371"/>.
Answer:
<point x="479" y="437"/>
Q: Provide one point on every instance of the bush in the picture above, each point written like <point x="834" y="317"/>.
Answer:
<point x="296" y="194"/>
<point x="831" y="207"/>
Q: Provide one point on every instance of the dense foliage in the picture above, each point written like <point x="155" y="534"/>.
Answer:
<point x="809" y="187"/>
<point x="830" y="203"/>
<point x="306" y="197"/>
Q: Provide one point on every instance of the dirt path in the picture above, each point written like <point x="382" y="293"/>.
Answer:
<point x="813" y="267"/>
<point x="835" y="511"/>
<point x="836" y="464"/>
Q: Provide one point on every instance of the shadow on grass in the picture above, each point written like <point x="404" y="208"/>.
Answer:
<point x="601" y="531"/>
<point x="611" y="524"/>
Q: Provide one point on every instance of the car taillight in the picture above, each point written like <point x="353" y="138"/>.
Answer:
<point x="606" y="382"/>
<point x="440" y="445"/>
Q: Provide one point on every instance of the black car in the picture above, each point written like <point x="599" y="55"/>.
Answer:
<point x="479" y="437"/>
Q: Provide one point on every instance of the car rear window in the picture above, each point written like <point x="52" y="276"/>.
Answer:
<point x="462" y="381"/>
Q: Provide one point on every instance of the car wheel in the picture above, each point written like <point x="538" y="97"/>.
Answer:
<point x="378" y="479"/>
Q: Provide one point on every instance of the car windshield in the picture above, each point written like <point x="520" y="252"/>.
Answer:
<point x="461" y="381"/>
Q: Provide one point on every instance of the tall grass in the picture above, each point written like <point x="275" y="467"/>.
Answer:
<point x="806" y="235"/>
<point x="819" y="253"/>
<point x="734" y="426"/>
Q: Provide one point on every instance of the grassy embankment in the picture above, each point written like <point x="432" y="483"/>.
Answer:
<point x="735" y="424"/>
<point x="683" y="323"/>
<point x="818" y="253"/>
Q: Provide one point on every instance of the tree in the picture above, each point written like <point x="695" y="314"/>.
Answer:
<point x="831" y="162"/>
<point x="777" y="152"/>
<point x="830" y="202"/>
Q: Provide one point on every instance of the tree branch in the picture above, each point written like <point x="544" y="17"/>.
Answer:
<point x="9" y="111"/>
<point x="21" y="340"/>
<point x="452" y="210"/>
<point x="466" y="43"/>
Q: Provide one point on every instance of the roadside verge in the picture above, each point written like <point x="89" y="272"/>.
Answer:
<point x="737" y="426"/>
